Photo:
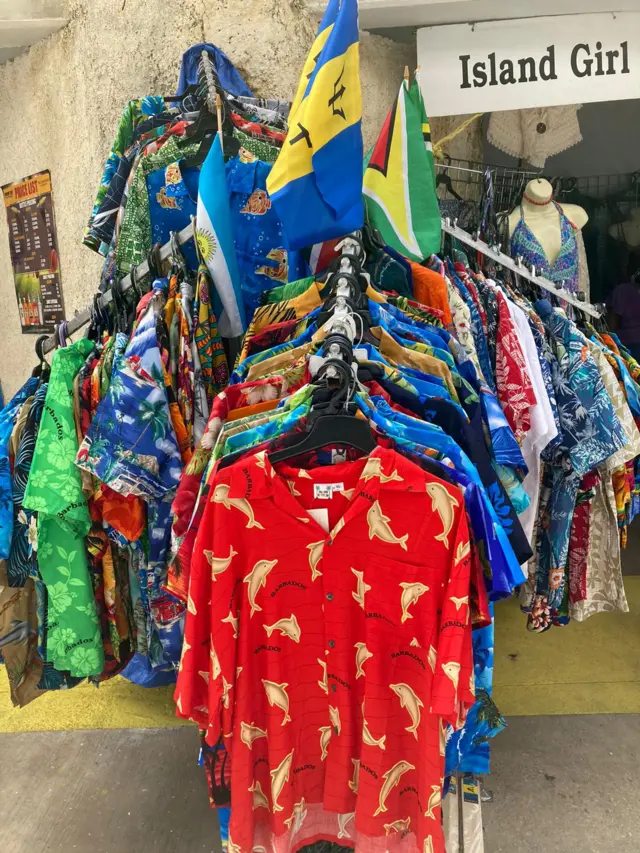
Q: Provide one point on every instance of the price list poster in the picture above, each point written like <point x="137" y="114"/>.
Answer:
<point x="34" y="252"/>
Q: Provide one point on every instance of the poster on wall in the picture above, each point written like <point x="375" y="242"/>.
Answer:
<point x="34" y="252"/>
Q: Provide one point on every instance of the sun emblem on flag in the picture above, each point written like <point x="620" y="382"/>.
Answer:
<point x="207" y="244"/>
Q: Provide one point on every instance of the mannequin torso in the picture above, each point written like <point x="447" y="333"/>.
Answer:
<point x="543" y="217"/>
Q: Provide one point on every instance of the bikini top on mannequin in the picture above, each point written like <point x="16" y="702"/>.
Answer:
<point x="566" y="266"/>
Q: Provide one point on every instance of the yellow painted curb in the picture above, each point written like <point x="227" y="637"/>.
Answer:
<point x="590" y="667"/>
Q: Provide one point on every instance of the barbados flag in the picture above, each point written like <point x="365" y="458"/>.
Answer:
<point x="216" y="245"/>
<point x="316" y="183"/>
<point x="399" y="180"/>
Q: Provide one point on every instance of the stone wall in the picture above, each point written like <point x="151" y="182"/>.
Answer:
<point x="62" y="100"/>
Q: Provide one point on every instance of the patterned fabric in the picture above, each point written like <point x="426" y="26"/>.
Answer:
<point x="213" y="367"/>
<point x="591" y="433"/>
<point x="258" y="148"/>
<point x="186" y="509"/>
<point x="463" y="284"/>
<point x="604" y="582"/>
<point x="54" y="491"/>
<point x="22" y="562"/>
<point x="462" y="324"/>
<point x="565" y="269"/>
<point x="296" y="307"/>
<point x="515" y="390"/>
<point x="287" y="291"/>
<point x="135" y="236"/>
<point x="173" y="199"/>
<point x="468" y="750"/>
<point x="131" y="444"/>
<point x="8" y="417"/>
<point x="491" y="313"/>
<point x="257" y="231"/>
<point x="134" y="113"/>
<point x="579" y="541"/>
<point x="410" y="712"/>
<point x="18" y="639"/>
<point x="257" y="129"/>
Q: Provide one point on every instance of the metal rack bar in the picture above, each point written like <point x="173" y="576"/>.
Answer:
<point x="142" y="269"/>
<point x="508" y="263"/>
<point x="186" y="234"/>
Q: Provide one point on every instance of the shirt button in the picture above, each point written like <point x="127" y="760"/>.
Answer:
<point x="329" y="542"/>
<point x="332" y="644"/>
<point x="329" y="596"/>
<point x="334" y="687"/>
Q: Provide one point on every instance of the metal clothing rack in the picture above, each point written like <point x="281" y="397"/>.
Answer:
<point x="497" y="255"/>
<point x="85" y="316"/>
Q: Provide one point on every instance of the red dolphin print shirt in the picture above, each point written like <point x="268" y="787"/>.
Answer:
<point x="327" y="644"/>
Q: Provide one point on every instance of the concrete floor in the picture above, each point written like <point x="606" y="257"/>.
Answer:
<point x="566" y="785"/>
<point x="563" y="784"/>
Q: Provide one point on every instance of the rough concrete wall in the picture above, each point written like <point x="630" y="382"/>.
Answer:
<point x="62" y="100"/>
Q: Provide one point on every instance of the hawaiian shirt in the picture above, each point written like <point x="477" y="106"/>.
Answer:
<point x="135" y="236"/>
<point x="173" y="200"/>
<point x="356" y="679"/>
<point x="54" y="491"/>
<point x="8" y="417"/>
<point x="134" y="113"/>
<point x="257" y="230"/>
<point x="131" y="444"/>
<point x="591" y="433"/>
<point x="515" y="389"/>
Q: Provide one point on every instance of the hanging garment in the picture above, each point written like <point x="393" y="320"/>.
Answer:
<point x="535" y="134"/>
<point x="134" y="113"/>
<point x="54" y="491"/>
<point x="308" y="719"/>
<point x="565" y="269"/>
<point x="228" y="75"/>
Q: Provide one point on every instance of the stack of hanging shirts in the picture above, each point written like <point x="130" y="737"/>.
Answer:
<point x="135" y="402"/>
<point x="330" y="604"/>
<point x="149" y="189"/>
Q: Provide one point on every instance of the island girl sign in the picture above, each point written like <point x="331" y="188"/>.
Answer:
<point x="530" y="62"/>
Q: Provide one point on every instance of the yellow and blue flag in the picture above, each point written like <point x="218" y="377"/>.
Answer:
<point x="316" y="183"/>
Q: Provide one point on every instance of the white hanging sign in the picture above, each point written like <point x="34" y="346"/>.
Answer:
<point x="530" y="62"/>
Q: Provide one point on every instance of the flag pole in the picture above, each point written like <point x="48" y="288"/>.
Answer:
<point x="219" y="117"/>
<point x="406" y="75"/>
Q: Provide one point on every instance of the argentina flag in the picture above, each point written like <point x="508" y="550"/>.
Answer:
<point x="216" y="244"/>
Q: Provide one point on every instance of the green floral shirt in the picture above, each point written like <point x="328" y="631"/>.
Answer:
<point x="54" y="491"/>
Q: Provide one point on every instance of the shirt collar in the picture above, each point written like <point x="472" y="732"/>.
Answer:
<point x="385" y="471"/>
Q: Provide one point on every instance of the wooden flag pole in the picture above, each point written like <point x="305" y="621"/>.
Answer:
<point x="219" y="117"/>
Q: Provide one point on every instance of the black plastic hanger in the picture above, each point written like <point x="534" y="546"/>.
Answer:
<point x="331" y="422"/>
<point x="42" y="369"/>
<point x="444" y="179"/>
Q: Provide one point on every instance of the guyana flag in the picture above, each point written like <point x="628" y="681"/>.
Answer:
<point x="399" y="180"/>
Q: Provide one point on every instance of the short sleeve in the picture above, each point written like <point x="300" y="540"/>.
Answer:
<point x="207" y="671"/>
<point x="452" y="694"/>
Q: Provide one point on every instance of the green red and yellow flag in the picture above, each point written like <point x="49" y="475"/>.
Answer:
<point x="399" y="179"/>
